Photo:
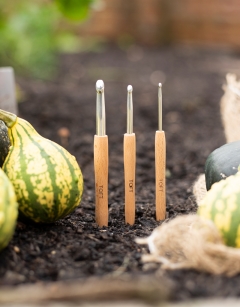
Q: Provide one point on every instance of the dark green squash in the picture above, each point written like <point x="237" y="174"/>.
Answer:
<point x="4" y="142"/>
<point x="222" y="163"/>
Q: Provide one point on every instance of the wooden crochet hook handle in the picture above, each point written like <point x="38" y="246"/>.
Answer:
<point x="129" y="149"/>
<point x="160" y="167"/>
<point x="101" y="179"/>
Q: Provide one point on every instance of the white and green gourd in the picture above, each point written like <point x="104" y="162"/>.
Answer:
<point x="222" y="205"/>
<point x="46" y="178"/>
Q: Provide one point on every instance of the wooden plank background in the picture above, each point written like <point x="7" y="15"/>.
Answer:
<point x="153" y="22"/>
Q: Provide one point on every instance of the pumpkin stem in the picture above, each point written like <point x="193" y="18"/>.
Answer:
<point x="8" y="118"/>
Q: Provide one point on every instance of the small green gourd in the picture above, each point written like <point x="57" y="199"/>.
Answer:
<point x="47" y="179"/>
<point x="8" y="210"/>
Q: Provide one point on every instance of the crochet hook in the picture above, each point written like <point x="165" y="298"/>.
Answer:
<point x="160" y="163"/>
<point x="129" y="150"/>
<point x="101" y="159"/>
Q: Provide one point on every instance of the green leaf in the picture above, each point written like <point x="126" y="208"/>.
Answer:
<point x="74" y="9"/>
<point x="28" y="40"/>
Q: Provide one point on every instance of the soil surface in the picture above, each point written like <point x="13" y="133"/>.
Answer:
<point x="75" y="247"/>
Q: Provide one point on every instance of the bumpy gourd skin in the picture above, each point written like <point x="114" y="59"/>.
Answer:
<point x="222" y="205"/>
<point x="47" y="179"/>
<point x="8" y="210"/>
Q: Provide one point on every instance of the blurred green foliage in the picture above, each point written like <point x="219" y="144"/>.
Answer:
<point x="32" y="32"/>
<point x="74" y="9"/>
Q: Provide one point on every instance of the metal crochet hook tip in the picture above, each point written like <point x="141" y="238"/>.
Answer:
<point x="129" y="110"/>
<point x="100" y="109"/>
<point x="100" y="86"/>
<point x="160" y="106"/>
<point x="129" y="88"/>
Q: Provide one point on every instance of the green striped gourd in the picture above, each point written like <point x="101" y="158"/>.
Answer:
<point x="222" y="205"/>
<point x="8" y="210"/>
<point x="47" y="179"/>
<point x="4" y="142"/>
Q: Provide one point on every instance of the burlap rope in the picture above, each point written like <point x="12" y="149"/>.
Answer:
<point x="190" y="242"/>
<point x="199" y="188"/>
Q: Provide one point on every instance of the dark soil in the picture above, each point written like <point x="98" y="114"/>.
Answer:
<point x="75" y="247"/>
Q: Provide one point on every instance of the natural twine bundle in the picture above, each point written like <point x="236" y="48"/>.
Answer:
<point x="191" y="242"/>
<point x="230" y="108"/>
<point x="199" y="188"/>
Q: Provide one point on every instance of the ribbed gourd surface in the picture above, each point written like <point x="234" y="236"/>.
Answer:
<point x="47" y="179"/>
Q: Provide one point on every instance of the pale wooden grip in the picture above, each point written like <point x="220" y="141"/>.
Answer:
<point x="160" y="169"/>
<point x="101" y="179"/>
<point x="129" y="153"/>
